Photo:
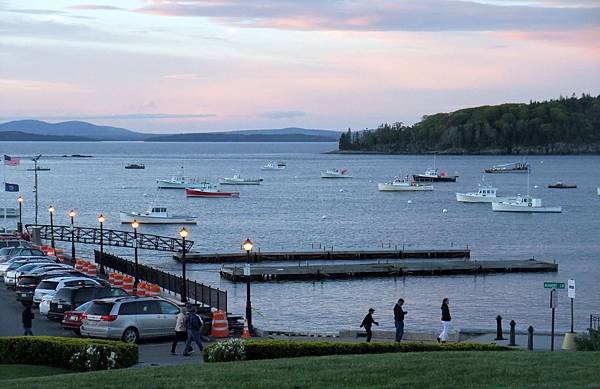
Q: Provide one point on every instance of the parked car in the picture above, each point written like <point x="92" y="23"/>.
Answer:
<point x="22" y="251"/>
<point x="11" y="276"/>
<point x="4" y="265"/>
<point x="9" y="272"/>
<point x="72" y="319"/>
<point x="130" y="318"/>
<point x="68" y="298"/>
<point x="9" y="243"/>
<point x="26" y="284"/>
<point x="51" y="285"/>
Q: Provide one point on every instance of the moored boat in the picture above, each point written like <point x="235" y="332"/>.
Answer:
<point x="513" y="167"/>
<point x="135" y="166"/>
<point x="237" y="179"/>
<point x="403" y="185"/>
<point x="434" y="175"/>
<point x="336" y="173"/>
<point x="273" y="165"/>
<point x="524" y="204"/>
<point x="156" y="215"/>
<point x="8" y="212"/>
<point x="560" y="185"/>
<point x="484" y="194"/>
<point x="210" y="191"/>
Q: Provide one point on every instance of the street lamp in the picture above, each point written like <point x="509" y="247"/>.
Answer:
<point x="20" y="225"/>
<point x="135" y="224"/>
<point x="183" y="233"/>
<point x="51" y="212"/>
<point x="247" y="246"/>
<point x="101" y="220"/>
<point x="72" y="214"/>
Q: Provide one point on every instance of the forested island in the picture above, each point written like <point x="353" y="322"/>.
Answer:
<point x="564" y="126"/>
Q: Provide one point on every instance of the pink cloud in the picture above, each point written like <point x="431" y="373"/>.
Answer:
<point x="588" y="39"/>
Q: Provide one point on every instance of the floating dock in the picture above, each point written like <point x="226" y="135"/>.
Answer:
<point x="349" y="255"/>
<point x="396" y="269"/>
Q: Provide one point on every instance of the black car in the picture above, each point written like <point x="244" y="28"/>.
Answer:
<point x="67" y="299"/>
<point x="27" y="283"/>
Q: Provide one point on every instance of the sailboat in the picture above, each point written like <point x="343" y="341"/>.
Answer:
<point x="524" y="204"/>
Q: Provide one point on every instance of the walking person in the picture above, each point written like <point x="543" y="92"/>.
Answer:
<point x="446" y="318"/>
<point x="180" y="330"/>
<point x="27" y="317"/>
<point x="193" y="325"/>
<point x="399" y="313"/>
<point x="368" y="322"/>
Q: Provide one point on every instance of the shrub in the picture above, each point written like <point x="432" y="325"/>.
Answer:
<point x="231" y="350"/>
<point x="75" y="354"/>
<point x="588" y="342"/>
<point x="271" y="348"/>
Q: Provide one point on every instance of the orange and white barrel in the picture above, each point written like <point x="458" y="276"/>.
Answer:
<point x="141" y="289"/>
<point x="219" y="327"/>
<point x="128" y="284"/>
<point x="118" y="280"/>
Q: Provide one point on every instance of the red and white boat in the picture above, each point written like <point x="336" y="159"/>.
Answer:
<point x="209" y="190"/>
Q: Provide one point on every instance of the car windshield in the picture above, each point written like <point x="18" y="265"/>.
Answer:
<point x="28" y="281"/>
<point x="99" y="308"/>
<point x="5" y="250"/>
<point x="63" y="294"/>
<point x="48" y="285"/>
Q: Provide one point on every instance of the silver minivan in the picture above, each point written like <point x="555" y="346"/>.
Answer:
<point x="130" y="318"/>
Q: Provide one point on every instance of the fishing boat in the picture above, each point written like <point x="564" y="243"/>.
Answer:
<point x="403" y="185"/>
<point x="135" y="166"/>
<point x="273" y="165"/>
<point x="156" y="215"/>
<point x="180" y="181"/>
<point x="560" y="185"/>
<point x="524" y="204"/>
<point x="336" y="173"/>
<point x="39" y="169"/>
<point x="434" y="175"/>
<point x="513" y="167"/>
<point x="210" y="191"/>
<point x="237" y="179"/>
<point x="484" y="194"/>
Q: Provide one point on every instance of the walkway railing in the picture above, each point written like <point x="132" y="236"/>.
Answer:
<point x="207" y="295"/>
<point x="595" y="321"/>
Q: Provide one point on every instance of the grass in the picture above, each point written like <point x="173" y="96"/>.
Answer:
<point x="9" y="372"/>
<point x="443" y="369"/>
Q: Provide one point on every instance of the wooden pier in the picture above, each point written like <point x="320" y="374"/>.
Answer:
<point x="349" y="255"/>
<point x="395" y="269"/>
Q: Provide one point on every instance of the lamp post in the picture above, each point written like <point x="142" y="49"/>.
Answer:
<point x="72" y="214"/>
<point x="135" y="224"/>
<point x="183" y="233"/>
<point x="20" y="225"/>
<point x="247" y="246"/>
<point x="101" y="220"/>
<point x="51" y="212"/>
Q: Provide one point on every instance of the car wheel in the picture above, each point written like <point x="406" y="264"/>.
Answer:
<point x="130" y="335"/>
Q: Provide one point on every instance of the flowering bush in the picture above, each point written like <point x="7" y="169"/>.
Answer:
<point x="94" y="358"/>
<point x="230" y="350"/>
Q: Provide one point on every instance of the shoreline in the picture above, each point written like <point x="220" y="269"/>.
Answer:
<point x="491" y="153"/>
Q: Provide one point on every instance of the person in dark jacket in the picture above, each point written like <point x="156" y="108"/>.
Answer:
<point x="27" y="317"/>
<point x="399" y="319"/>
<point x="446" y="318"/>
<point x="368" y="322"/>
<point x="194" y="326"/>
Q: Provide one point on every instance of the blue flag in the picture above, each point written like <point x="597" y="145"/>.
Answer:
<point x="11" y="187"/>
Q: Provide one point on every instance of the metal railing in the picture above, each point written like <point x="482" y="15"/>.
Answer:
<point x="595" y="321"/>
<point x="207" y="295"/>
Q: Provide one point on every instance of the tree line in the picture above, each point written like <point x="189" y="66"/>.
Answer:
<point x="565" y="125"/>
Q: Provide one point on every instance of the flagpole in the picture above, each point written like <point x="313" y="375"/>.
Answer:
<point x="35" y="186"/>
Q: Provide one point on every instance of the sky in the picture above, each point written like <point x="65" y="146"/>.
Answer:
<point x="166" y="66"/>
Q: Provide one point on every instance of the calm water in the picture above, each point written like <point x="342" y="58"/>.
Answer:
<point x="286" y="213"/>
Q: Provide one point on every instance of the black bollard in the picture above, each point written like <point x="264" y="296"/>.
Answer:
<point x="499" y="328"/>
<point x="530" y="338"/>
<point x="512" y="333"/>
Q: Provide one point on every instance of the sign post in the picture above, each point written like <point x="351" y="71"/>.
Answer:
<point x="553" y="304"/>
<point x="571" y="292"/>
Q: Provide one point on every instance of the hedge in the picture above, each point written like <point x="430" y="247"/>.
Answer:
<point x="588" y="342"/>
<point x="69" y="353"/>
<point x="271" y="348"/>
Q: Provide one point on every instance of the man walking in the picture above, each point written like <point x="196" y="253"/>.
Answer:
<point x="180" y="331"/>
<point x="399" y="319"/>
<point x="27" y="317"/>
<point x="193" y="324"/>
<point x="368" y="322"/>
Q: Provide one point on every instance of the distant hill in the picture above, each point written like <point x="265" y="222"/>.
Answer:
<point x="290" y="130"/>
<point x="242" y="137"/>
<point x="72" y="128"/>
<point x="19" y="136"/>
<point x="564" y="126"/>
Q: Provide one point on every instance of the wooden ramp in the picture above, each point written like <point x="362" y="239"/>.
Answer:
<point x="401" y="268"/>
<point x="290" y="256"/>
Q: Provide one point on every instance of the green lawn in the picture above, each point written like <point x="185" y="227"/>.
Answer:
<point x="439" y="369"/>
<point x="8" y="372"/>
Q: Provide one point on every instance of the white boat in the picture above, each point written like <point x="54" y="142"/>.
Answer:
<point x="524" y="204"/>
<point x="8" y="212"/>
<point x="514" y="167"/>
<point x="598" y="190"/>
<point x="403" y="185"/>
<point x="180" y="181"/>
<point x="485" y="194"/>
<point x="238" y="180"/>
<point x="335" y="173"/>
<point x="273" y="165"/>
<point x="156" y="215"/>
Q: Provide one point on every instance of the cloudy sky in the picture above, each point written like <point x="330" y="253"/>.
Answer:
<point x="206" y="65"/>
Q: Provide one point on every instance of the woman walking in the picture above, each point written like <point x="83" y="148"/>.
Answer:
<point x="446" y="318"/>
<point x="180" y="331"/>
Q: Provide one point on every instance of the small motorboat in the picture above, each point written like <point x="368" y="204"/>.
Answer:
<point x="39" y="169"/>
<point x="433" y="175"/>
<point x="524" y="204"/>
<point x="135" y="166"/>
<point x="514" y="167"/>
<point x="210" y="191"/>
<point x="336" y="173"/>
<point x="237" y="179"/>
<point x="485" y="194"/>
<point x="403" y="185"/>
<point x="273" y="165"/>
<point x="156" y="215"/>
<point x="560" y="185"/>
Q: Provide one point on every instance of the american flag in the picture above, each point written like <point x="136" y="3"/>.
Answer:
<point x="11" y="161"/>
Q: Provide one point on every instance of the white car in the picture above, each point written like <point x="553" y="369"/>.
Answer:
<point x="51" y="285"/>
<point x="5" y="265"/>
<point x="11" y="276"/>
<point x="9" y="273"/>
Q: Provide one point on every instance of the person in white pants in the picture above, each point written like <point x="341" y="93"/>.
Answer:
<point x="446" y="318"/>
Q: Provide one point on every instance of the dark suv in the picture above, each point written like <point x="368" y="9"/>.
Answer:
<point x="67" y="299"/>
<point x="26" y="284"/>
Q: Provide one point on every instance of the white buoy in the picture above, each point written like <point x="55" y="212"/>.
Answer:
<point x="444" y="210"/>
<point x="145" y="195"/>
<point x="341" y="190"/>
<point x="535" y="186"/>
<point x="409" y="201"/>
<point x="323" y="217"/>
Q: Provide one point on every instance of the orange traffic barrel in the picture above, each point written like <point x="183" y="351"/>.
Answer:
<point x="79" y="264"/>
<point x="152" y="290"/>
<point x="219" y="327"/>
<point x="92" y="270"/>
<point x="111" y="278"/>
<point x="128" y="284"/>
<point x="141" y="289"/>
<point x="118" y="280"/>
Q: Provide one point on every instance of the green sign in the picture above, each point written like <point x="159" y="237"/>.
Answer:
<point x="554" y="285"/>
